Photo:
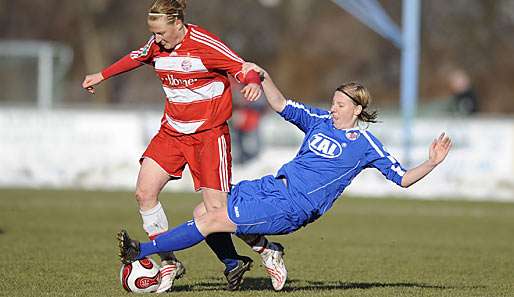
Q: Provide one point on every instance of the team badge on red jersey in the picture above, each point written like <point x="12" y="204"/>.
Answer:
<point x="186" y="65"/>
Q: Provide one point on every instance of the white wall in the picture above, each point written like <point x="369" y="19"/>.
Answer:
<point x="100" y="150"/>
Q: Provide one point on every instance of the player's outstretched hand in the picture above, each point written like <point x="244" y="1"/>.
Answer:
<point x="92" y="80"/>
<point x="251" y="91"/>
<point x="247" y="66"/>
<point x="439" y="149"/>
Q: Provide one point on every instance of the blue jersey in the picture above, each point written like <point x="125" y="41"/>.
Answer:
<point x="329" y="159"/>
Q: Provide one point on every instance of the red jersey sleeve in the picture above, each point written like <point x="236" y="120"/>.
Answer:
<point x="146" y="52"/>
<point x="131" y="61"/>
<point x="220" y="57"/>
<point x="122" y="65"/>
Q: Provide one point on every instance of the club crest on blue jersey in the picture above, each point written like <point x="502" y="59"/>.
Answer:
<point x="352" y="135"/>
<point x="324" y="146"/>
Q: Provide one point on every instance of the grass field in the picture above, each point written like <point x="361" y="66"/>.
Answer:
<point x="61" y="243"/>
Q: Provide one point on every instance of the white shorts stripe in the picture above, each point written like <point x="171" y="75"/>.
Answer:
<point x="213" y="43"/>
<point x="221" y="171"/>
<point x="221" y="161"/>
<point x="227" y="178"/>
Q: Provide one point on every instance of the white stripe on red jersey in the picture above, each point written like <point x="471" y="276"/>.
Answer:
<point x="210" y="91"/>
<point x="184" y="127"/>
<point x="180" y="64"/>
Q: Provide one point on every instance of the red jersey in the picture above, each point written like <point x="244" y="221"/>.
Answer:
<point x="194" y="79"/>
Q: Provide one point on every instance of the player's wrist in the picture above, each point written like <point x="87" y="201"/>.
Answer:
<point x="106" y="73"/>
<point x="431" y="163"/>
<point x="262" y="75"/>
<point x="253" y="76"/>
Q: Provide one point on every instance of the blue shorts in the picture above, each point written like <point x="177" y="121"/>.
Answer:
<point x="264" y="206"/>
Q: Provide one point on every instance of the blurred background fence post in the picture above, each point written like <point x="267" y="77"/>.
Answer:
<point x="52" y="62"/>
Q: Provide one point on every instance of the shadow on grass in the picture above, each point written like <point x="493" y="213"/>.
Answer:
<point x="320" y="286"/>
<point x="262" y="284"/>
<point x="218" y="284"/>
<point x="1" y="231"/>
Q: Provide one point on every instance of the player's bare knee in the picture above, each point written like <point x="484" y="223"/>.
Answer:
<point x="140" y="196"/>
<point x="205" y="224"/>
<point x="216" y="221"/>
<point x="199" y="210"/>
<point x="145" y="199"/>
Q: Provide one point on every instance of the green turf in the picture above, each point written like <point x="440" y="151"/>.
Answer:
<point x="61" y="243"/>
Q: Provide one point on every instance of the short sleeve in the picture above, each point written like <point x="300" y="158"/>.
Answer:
<point x="302" y="115"/>
<point x="377" y="157"/>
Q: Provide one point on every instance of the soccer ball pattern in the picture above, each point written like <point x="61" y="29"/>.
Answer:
<point x="141" y="276"/>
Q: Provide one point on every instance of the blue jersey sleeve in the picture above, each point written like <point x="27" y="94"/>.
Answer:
<point x="377" y="157"/>
<point x="302" y="115"/>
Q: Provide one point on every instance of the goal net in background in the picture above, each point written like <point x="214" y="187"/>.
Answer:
<point x="31" y="72"/>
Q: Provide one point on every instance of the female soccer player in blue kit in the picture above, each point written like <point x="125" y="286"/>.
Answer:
<point x="333" y="152"/>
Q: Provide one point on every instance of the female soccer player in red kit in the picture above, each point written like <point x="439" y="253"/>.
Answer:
<point x="193" y="66"/>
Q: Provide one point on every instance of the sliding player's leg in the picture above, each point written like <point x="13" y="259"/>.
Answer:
<point x="258" y="217"/>
<point x="181" y="237"/>
<point x="254" y="207"/>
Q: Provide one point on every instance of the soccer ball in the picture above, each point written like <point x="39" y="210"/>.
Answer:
<point x="141" y="276"/>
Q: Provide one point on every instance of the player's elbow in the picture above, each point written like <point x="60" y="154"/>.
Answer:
<point x="405" y="183"/>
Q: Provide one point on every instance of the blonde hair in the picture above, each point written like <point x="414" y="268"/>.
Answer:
<point x="171" y="9"/>
<point x="360" y="96"/>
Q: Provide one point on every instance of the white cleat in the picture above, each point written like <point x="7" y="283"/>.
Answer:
<point x="273" y="261"/>
<point x="170" y="271"/>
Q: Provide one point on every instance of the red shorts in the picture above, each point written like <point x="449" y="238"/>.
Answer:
<point x="207" y="154"/>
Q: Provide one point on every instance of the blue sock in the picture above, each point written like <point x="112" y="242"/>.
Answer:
<point x="221" y="244"/>
<point x="176" y="239"/>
